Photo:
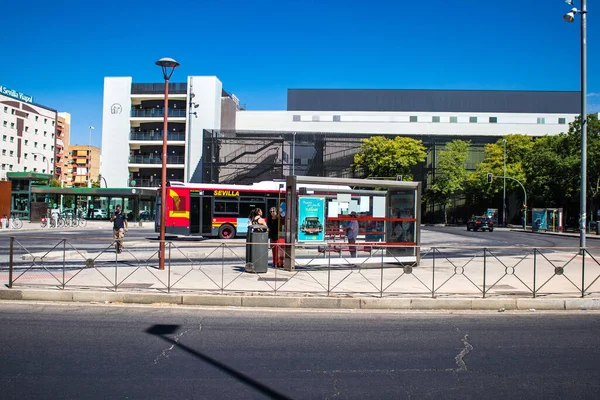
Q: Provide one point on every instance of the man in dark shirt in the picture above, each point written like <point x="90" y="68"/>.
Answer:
<point x="119" y="220"/>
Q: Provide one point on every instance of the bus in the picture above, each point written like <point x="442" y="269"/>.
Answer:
<point x="220" y="210"/>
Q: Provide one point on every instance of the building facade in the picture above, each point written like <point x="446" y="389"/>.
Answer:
<point x="28" y="134"/>
<point x="61" y="159"/>
<point x="83" y="165"/>
<point x="132" y="128"/>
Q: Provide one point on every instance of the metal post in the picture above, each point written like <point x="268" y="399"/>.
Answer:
<point x="163" y="184"/>
<point x="433" y="276"/>
<point x="89" y="185"/>
<point x="583" y="194"/>
<point x="169" y="272"/>
<point x="504" y="193"/>
<point x="583" y="274"/>
<point x="534" y="271"/>
<point x="10" y="262"/>
<point x="294" y="155"/>
<point x="484" y="269"/>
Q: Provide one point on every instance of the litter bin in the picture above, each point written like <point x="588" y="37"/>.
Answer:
<point x="257" y="249"/>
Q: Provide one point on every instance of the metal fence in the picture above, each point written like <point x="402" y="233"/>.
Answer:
<point x="319" y="269"/>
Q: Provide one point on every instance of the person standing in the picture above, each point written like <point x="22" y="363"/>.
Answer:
<point x="352" y="233"/>
<point x="119" y="220"/>
<point x="274" y="224"/>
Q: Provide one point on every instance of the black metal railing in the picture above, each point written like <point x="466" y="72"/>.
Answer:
<point x="156" y="135"/>
<point x="142" y="159"/>
<point x="156" y="112"/>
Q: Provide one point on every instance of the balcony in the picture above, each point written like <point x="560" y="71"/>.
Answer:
<point x="141" y="159"/>
<point x="158" y="88"/>
<point x="156" y="112"/>
<point x="156" y="135"/>
<point x="147" y="182"/>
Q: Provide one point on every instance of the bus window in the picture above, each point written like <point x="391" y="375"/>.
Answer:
<point x="226" y="207"/>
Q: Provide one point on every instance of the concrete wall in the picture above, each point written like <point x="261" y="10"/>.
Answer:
<point x="116" y="109"/>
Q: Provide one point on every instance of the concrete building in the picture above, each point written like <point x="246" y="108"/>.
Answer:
<point x="27" y="132"/>
<point x="61" y="159"/>
<point x="213" y="139"/>
<point x="83" y="165"/>
<point x="132" y="128"/>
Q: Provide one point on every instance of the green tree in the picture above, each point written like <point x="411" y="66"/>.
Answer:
<point x="518" y="149"/>
<point x="450" y="175"/>
<point x="54" y="183"/>
<point x="379" y="156"/>
<point x="95" y="184"/>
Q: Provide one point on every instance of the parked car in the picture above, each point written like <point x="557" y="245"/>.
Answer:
<point x="99" y="214"/>
<point x="480" y="223"/>
<point x="145" y="215"/>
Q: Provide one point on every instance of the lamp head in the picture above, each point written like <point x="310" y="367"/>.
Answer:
<point x="569" y="2"/>
<point x="570" y="16"/>
<point x="168" y="66"/>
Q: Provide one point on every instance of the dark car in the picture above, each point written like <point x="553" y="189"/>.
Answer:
<point x="480" y="223"/>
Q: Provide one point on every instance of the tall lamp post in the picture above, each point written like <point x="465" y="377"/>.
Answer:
<point x="570" y="17"/>
<point x="168" y="66"/>
<point x="504" y="192"/>
<point x="47" y="163"/>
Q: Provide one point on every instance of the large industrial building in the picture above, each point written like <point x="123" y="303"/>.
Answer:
<point x="212" y="139"/>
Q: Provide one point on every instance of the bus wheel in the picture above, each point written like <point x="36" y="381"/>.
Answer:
<point x="226" y="232"/>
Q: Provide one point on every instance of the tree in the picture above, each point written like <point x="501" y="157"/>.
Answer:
<point x="54" y="183"/>
<point x="518" y="149"/>
<point x="451" y="174"/>
<point x="382" y="157"/>
<point x="95" y="184"/>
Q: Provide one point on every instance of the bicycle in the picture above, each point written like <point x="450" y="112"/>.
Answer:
<point x="15" y="222"/>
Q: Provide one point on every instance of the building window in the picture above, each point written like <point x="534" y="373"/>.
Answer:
<point x="453" y="120"/>
<point x="10" y="167"/>
<point x="35" y="170"/>
<point x="24" y="169"/>
<point x="12" y="125"/>
<point x="435" y="119"/>
<point x="45" y="120"/>
<point x="45" y="133"/>
<point x="473" y="120"/>
<point x="26" y="115"/>
<point x="12" y="139"/>
<point x="3" y="167"/>
<point x="34" y="157"/>
<point x="25" y="156"/>
<point x="51" y="147"/>
<point x="26" y="142"/>
<point x="413" y="118"/>
<point x="336" y="118"/>
<point x="541" y="120"/>
<point x="4" y="138"/>
<point x="5" y="109"/>
<point x="26" y="129"/>
<point x="296" y="118"/>
<point x="44" y="146"/>
<point x="3" y="152"/>
<point x="493" y="120"/>
<point x="11" y="153"/>
<point x="35" y="144"/>
<point x="36" y="118"/>
<point x="36" y="131"/>
<point x="52" y="123"/>
<point x="562" y="121"/>
<point x="12" y="111"/>
<point x="4" y="123"/>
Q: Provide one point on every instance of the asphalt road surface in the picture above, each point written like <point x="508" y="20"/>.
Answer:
<point x="107" y="351"/>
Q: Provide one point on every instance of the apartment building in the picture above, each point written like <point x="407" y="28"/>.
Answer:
<point x="132" y="128"/>
<point x="83" y="165"/>
<point x="28" y="134"/>
<point x="61" y="159"/>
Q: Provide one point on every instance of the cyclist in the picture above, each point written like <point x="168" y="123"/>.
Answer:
<point x="119" y="220"/>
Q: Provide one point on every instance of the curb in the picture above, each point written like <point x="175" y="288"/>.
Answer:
<point x="333" y="303"/>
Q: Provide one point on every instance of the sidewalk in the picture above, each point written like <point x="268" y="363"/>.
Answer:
<point x="212" y="274"/>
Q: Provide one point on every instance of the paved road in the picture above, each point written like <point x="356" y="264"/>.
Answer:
<point x="76" y="351"/>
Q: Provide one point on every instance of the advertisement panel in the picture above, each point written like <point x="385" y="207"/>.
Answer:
<point x="311" y="219"/>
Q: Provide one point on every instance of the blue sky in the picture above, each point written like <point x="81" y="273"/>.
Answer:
<point x="59" y="52"/>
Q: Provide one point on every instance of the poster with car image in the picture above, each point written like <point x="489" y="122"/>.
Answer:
<point x="311" y="219"/>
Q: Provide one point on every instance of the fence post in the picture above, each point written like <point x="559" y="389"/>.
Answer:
<point x="10" y="262"/>
<point x="381" y="290"/>
<point x="169" y="270"/>
<point x="64" y="262"/>
<point x="433" y="275"/>
<point x="484" y="269"/>
<point x="583" y="273"/>
<point x="534" y="272"/>
<point x="328" y="249"/>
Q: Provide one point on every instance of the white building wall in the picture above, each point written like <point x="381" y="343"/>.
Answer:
<point x="398" y="123"/>
<point x="207" y="92"/>
<point x="116" y="108"/>
<point x="38" y="136"/>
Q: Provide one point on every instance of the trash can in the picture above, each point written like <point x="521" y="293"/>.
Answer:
<point x="257" y="249"/>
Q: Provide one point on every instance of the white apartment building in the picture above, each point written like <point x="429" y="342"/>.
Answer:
<point x="27" y="132"/>
<point x="132" y="129"/>
<point x="133" y="124"/>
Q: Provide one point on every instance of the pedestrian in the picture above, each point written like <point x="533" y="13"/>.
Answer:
<point x="274" y="224"/>
<point x="119" y="220"/>
<point x="352" y="233"/>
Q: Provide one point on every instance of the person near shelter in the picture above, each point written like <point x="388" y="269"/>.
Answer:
<point x="119" y="220"/>
<point x="352" y="233"/>
<point x="256" y="218"/>
<point x="274" y="223"/>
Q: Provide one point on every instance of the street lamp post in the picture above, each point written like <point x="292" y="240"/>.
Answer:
<point x="168" y="66"/>
<point x="570" y="17"/>
<point x="294" y="155"/>
<point x="47" y="162"/>
<point x="504" y="192"/>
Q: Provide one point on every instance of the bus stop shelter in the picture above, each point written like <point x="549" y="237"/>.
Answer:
<point x="388" y="212"/>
